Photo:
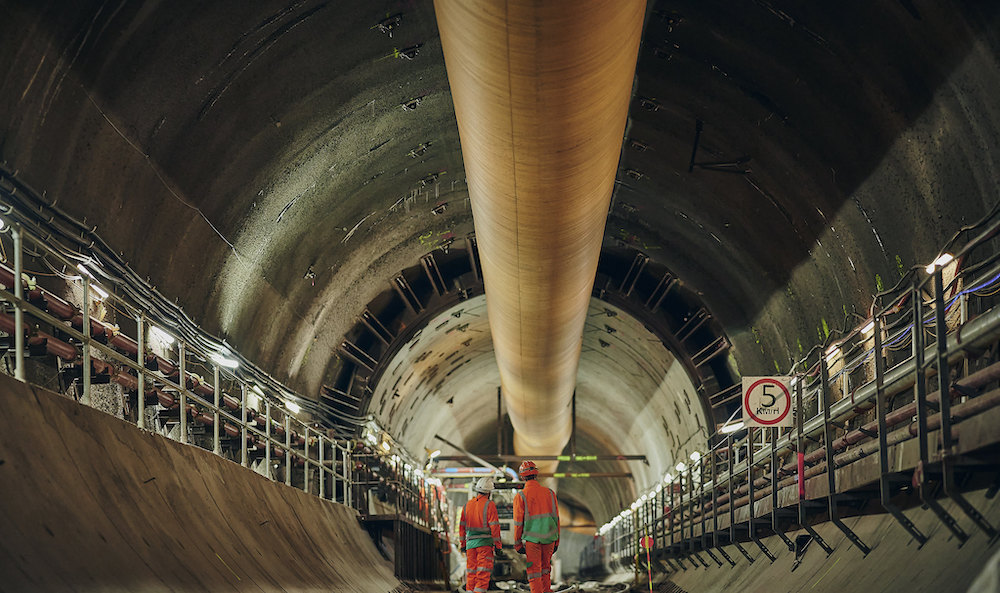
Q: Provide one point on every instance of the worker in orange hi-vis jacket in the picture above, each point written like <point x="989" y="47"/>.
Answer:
<point x="536" y="528"/>
<point x="479" y="534"/>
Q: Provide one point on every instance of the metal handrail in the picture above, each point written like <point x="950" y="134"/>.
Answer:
<point x="340" y="450"/>
<point x="692" y="489"/>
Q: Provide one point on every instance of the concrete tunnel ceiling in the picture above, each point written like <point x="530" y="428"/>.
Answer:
<point x="633" y="397"/>
<point x="275" y="167"/>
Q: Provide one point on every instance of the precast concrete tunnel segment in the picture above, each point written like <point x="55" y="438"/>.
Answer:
<point x="331" y="190"/>
<point x="541" y="92"/>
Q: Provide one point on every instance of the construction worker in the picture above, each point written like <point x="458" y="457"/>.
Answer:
<point x="479" y="534"/>
<point x="536" y="527"/>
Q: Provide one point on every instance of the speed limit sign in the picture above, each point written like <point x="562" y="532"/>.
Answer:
<point x="767" y="401"/>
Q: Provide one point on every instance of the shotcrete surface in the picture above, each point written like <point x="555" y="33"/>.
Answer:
<point x="91" y="503"/>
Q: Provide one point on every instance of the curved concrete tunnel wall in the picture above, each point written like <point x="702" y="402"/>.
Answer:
<point x="868" y="150"/>
<point x="147" y="124"/>
<point x="633" y="397"/>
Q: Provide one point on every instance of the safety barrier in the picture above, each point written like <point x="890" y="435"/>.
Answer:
<point x="90" y="351"/>
<point x="856" y="395"/>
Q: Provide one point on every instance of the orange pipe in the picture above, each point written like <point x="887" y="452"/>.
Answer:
<point x="541" y="92"/>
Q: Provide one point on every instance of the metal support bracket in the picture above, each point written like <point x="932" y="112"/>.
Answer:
<point x="831" y="468"/>
<point x="774" y="491"/>
<point x="920" y="397"/>
<point x="803" y="521"/>
<point x="881" y="406"/>
<point x="947" y="442"/>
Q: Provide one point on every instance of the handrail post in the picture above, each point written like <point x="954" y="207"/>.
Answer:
<point x="715" y="505"/>
<point x="288" y="448"/>
<point x="831" y="467"/>
<point x="267" y="437"/>
<point x="86" y="338"/>
<point x="15" y="231"/>
<point x="800" y="451"/>
<point x="690" y="514"/>
<point x="731" y="446"/>
<point x="881" y="409"/>
<point x="216" y="445"/>
<point x="944" y="388"/>
<point x="305" y="452"/>
<point x="140" y="325"/>
<point x="774" y="490"/>
<point x="182" y="382"/>
<point x="322" y="466"/>
<point x="751" y="519"/>
<point x="244" y="457"/>
<point x="920" y="397"/>
<point x="701" y="500"/>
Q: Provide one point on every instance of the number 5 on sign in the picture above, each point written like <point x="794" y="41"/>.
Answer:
<point x="767" y="401"/>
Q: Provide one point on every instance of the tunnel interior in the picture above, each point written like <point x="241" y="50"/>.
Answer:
<point x="291" y="175"/>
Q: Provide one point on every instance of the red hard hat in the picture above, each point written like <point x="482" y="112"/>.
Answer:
<point x="528" y="468"/>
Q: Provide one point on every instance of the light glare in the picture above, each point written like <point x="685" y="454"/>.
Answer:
<point x="222" y="361"/>
<point x="728" y="428"/>
<point x="941" y="261"/>
<point x="162" y="336"/>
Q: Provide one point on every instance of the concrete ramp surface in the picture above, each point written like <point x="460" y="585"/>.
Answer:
<point x="91" y="503"/>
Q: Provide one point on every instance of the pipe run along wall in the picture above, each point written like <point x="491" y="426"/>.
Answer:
<point x="541" y="92"/>
<point x="90" y="503"/>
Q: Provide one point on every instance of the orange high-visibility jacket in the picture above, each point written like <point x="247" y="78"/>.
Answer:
<point x="536" y="515"/>
<point x="480" y="523"/>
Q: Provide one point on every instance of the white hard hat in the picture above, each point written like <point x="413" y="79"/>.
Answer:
<point x="484" y="485"/>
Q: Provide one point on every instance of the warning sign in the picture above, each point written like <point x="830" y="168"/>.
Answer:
<point x="767" y="401"/>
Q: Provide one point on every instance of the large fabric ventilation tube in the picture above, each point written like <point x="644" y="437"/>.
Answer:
<point x="541" y="91"/>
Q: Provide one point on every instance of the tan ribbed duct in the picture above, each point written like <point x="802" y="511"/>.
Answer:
<point x="541" y="91"/>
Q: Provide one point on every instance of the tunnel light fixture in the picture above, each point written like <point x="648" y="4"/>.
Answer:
<point x="3" y="225"/>
<point x="371" y="438"/>
<point x="695" y="456"/>
<point x="732" y="427"/>
<point x="292" y="407"/>
<point x="162" y="336"/>
<point x="83" y="270"/>
<point x="658" y="489"/>
<point x="832" y="352"/>
<point x="386" y="446"/>
<point x="644" y="498"/>
<point x="223" y="361"/>
<point x="868" y="328"/>
<point x="101" y="293"/>
<point x="668" y="478"/>
<point x="681" y="466"/>
<point x="942" y="260"/>
<point x="435" y="453"/>
<point x="635" y="505"/>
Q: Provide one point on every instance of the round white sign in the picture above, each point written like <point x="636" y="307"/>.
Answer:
<point x="767" y="401"/>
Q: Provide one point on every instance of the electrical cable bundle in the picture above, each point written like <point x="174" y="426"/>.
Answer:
<point x="77" y="242"/>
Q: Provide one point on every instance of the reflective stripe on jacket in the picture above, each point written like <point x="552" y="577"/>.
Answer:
<point x="536" y="515"/>
<point x="480" y="524"/>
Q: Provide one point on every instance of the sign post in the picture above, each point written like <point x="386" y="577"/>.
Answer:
<point x="647" y="542"/>
<point x="767" y="401"/>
